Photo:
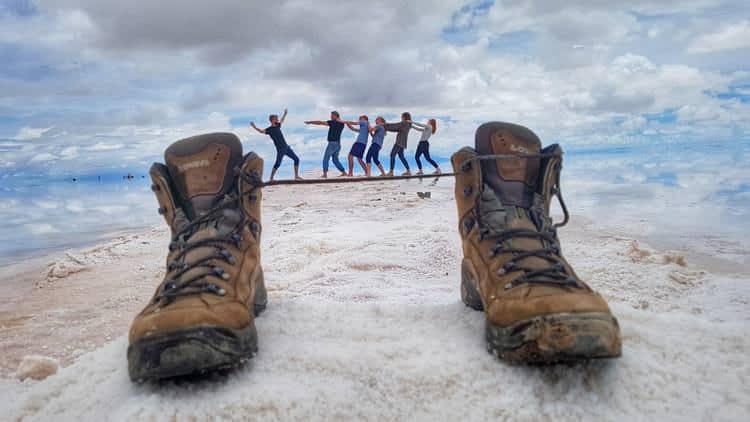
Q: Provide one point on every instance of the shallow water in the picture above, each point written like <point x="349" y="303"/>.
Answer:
<point x="682" y="195"/>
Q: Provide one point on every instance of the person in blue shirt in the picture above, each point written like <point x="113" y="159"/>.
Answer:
<point x="282" y="148"/>
<point x="335" y="127"/>
<point x="378" y="135"/>
<point x="358" y="148"/>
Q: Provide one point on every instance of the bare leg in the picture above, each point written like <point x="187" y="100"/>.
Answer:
<point x="296" y="173"/>
<point x="325" y="174"/>
<point x="351" y="165"/>
<point x="382" y="170"/>
<point x="364" y="166"/>
<point x="273" y="173"/>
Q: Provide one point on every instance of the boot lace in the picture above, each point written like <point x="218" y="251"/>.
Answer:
<point x="556" y="272"/>
<point x="215" y="218"/>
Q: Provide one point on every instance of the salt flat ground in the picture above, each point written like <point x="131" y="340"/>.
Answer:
<point x="365" y="323"/>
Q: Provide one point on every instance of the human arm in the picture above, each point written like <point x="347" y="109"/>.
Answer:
<point x="351" y="126"/>
<point x="418" y="126"/>
<point x="316" y="122"/>
<point x="283" y="116"/>
<point x="392" y="127"/>
<point x="263" y="131"/>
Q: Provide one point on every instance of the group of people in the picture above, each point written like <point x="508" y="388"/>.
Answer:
<point x="359" y="150"/>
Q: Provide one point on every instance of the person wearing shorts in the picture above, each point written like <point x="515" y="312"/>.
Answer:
<point x="358" y="148"/>
<point x="282" y="148"/>
<point x="378" y="135"/>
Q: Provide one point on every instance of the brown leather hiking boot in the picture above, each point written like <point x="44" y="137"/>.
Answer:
<point x="201" y="317"/>
<point x="537" y="309"/>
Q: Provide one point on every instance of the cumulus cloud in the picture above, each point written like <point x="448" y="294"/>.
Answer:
<point x="123" y="79"/>
<point x="730" y="37"/>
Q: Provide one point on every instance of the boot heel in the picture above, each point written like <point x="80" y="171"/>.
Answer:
<point x="469" y="293"/>
<point x="261" y="296"/>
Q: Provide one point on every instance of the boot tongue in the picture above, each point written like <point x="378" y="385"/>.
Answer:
<point x="202" y="170"/>
<point x="514" y="181"/>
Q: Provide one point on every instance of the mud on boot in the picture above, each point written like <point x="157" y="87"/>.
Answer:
<point x="201" y="317"/>
<point x="537" y="309"/>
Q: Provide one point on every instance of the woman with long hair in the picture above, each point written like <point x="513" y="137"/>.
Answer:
<point x="424" y="143"/>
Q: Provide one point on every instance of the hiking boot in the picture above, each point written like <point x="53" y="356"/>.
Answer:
<point x="537" y="309"/>
<point x="201" y="317"/>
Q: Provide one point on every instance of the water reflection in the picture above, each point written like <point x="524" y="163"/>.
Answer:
<point x="662" y="190"/>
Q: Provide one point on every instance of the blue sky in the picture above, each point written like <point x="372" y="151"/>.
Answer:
<point x="87" y="85"/>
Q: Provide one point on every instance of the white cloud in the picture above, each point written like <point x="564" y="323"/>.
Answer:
<point x="515" y="62"/>
<point x="29" y="133"/>
<point x="45" y="156"/>
<point x="103" y="146"/>
<point x="730" y="37"/>
<point x="69" y="153"/>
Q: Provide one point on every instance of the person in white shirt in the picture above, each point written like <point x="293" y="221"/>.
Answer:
<point x="424" y="143"/>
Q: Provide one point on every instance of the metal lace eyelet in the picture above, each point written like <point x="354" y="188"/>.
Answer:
<point x="155" y="187"/>
<point x="254" y="227"/>
<point x="227" y="256"/>
<point x="170" y="285"/>
<point x="215" y="289"/>
<point x="468" y="224"/>
<point x="218" y="271"/>
<point x="493" y="252"/>
<point x="468" y="191"/>
<point x="162" y="210"/>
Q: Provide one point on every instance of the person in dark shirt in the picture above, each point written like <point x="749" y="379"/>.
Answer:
<point x="402" y="135"/>
<point x="335" y="127"/>
<point x="282" y="148"/>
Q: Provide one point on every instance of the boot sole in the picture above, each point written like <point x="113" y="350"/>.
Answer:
<point x="189" y="351"/>
<point x="196" y="350"/>
<point x="547" y="339"/>
<point x="554" y="338"/>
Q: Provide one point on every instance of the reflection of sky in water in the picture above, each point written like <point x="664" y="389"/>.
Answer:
<point x="54" y="214"/>
<point x="672" y="192"/>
